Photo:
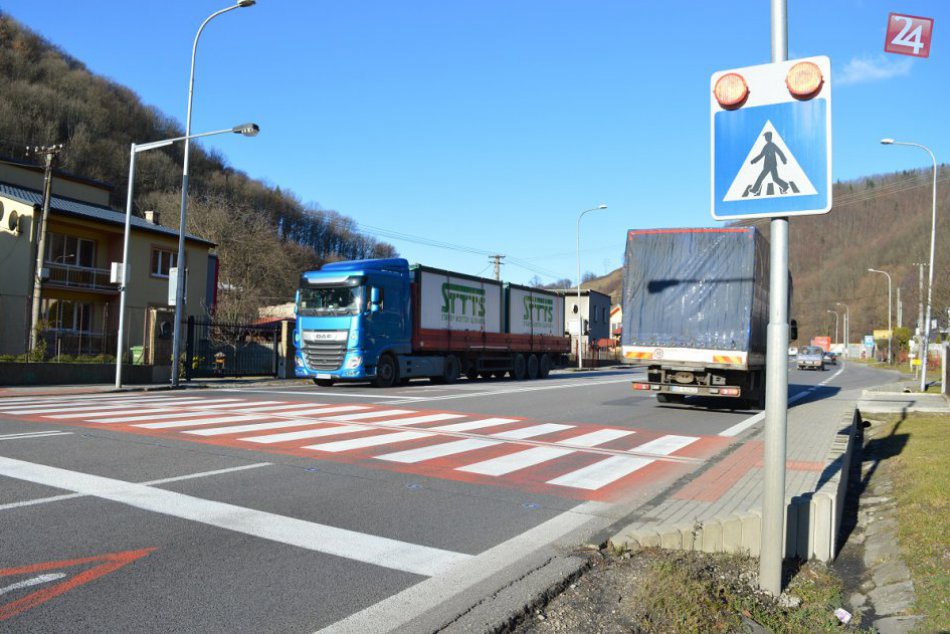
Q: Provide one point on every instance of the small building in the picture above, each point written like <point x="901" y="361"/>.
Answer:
<point x="79" y="303"/>
<point x="593" y="315"/>
<point x="616" y="322"/>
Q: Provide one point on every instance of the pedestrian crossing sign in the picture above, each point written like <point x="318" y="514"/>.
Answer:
<point x="771" y="146"/>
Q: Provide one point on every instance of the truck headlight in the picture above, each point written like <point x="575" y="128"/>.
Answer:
<point x="298" y="361"/>
<point x="354" y="362"/>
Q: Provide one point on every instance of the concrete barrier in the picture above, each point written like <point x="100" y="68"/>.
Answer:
<point x="812" y="519"/>
<point x="80" y="374"/>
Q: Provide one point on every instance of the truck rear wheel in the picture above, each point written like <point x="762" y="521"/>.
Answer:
<point x="544" y="366"/>
<point x="387" y="372"/>
<point x="533" y="368"/>
<point x="519" y="367"/>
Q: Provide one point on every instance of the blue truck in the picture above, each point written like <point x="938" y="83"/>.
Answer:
<point x="387" y="322"/>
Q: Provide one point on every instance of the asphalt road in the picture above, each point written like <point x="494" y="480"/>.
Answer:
<point x="350" y="508"/>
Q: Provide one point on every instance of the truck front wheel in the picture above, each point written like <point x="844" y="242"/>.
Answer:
<point x="387" y="372"/>
<point x="519" y="367"/>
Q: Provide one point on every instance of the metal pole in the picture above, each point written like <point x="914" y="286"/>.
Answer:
<point x="890" y="336"/>
<point x="580" y="320"/>
<point x="835" y="313"/>
<point x="920" y="311"/>
<point x="776" y="368"/>
<point x="900" y="309"/>
<point x="930" y="283"/>
<point x="125" y="270"/>
<point x="180" y="283"/>
<point x="41" y="244"/>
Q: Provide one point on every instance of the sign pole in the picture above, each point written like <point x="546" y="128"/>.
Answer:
<point x="776" y="371"/>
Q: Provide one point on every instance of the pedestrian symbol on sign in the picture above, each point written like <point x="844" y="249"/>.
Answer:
<point x="760" y="176"/>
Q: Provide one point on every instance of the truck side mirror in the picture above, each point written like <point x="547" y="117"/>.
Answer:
<point x="296" y="300"/>
<point x="793" y="330"/>
<point x="373" y="299"/>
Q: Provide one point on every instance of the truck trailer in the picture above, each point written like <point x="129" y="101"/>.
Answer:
<point x="387" y="322"/>
<point x="695" y="311"/>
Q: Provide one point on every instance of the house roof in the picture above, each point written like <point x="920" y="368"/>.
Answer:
<point x="89" y="211"/>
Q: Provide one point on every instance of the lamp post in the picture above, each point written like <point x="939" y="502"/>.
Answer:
<point x="246" y="129"/>
<point x="580" y="320"/>
<point x="890" y="333"/>
<point x="180" y="277"/>
<point x="835" y="313"/>
<point x="847" y="328"/>
<point x="933" y="239"/>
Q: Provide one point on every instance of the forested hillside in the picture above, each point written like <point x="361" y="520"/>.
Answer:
<point x="49" y="97"/>
<point x="881" y="222"/>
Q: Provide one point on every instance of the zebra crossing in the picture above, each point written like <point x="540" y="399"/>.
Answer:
<point x="577" y="460"/>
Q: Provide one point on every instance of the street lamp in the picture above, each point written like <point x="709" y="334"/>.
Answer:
<point x="835" y="313"/>
<point x="180" y="277"/>
<point x="933" y="239"/>
<point x="580" y="320"/>
<point x="847" y="328"/>
<point x="245" y="129"/>
<point x="890" y="333"/>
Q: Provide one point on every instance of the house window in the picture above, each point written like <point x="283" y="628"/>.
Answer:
<point x="69" y="315"/>
<point x="63" y="249"/>
<point x="162" y="261"/>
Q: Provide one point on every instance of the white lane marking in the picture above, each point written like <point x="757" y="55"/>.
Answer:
<point x="664" y="445"/>
<point x="476" y="424"/>
<point x="34" y="581"/>
<point x="440" y="450"/>
<point x="238" y="429"/>
<point x="365" y="415"/>
<point x="571" y="527"/>
<point x="204" y="474"/>
<point x="595" y="438"/>
<point x="504" y="392"/>
<point x="134" y="419"/>
<point x="343" y="393"/>
<point x="368" y="441"/>
<point x="34" y="434"/>
<point x="741" y="426"/>
<point x="417" y="420"/>
<point x="46" y="435"/>
<point x="531" y="432"/>
<point x="371" y="549"/>
<point x="306" y="433"/>
<point x="516" y="461"/>
<point x="61" y="407"/>
<point x="188" y="476"/>
<point x="601" y="473"/>
<point x="232" y="418"/>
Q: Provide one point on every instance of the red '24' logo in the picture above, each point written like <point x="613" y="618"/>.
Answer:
<point x="908" y="35"/>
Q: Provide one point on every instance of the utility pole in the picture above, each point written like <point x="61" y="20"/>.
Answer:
<point x="497" y="261"/>
<point x="920" y="314"/>
<point x="50" y="152"/>
<point x="900" y="309"/>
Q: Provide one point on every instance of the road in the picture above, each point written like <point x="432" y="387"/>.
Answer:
<point x="351" y="508"/>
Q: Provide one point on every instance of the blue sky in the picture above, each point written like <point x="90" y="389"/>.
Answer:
<point x="489" y="125"/>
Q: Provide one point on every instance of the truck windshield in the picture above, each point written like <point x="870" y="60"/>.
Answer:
<point x="335" y="301"/>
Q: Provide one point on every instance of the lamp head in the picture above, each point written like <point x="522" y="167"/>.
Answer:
<point x="247" y="129"/>
<point x="601" y="206"/>
<point x="246" y="3"/>
<point x="887" y="141"/>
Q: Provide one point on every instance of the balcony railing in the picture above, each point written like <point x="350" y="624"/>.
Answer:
<point x="80" y="277"/>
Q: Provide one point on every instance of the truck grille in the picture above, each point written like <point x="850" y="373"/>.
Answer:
<point x="324" y="355"/>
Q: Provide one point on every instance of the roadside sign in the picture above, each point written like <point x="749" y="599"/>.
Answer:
<point x="868" y="341"/>
<point x="908" y="35"/>
<point x="770" y="128"/>
<point x="882" y="334"/>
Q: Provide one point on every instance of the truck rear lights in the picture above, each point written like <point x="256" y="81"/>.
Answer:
<point x="641" y="386"/>
<point x="731" y="91"/>
<point x="804" y="80"/>
<point x="729" y="391"/>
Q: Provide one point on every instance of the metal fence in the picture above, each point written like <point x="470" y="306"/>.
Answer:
<point x="220" y="349"/>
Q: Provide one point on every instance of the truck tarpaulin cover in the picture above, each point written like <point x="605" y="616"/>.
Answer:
<point x="696" y="288"/>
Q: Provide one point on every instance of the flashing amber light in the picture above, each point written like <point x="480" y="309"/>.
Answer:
<point x="804" y="80"/>
<point x="731" y="91"/>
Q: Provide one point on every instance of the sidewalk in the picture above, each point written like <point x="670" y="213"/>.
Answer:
<point x="101" y="388"/>
<point x="718" y="509"/>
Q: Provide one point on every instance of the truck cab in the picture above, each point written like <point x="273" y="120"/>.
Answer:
<point x="350" y="316"/>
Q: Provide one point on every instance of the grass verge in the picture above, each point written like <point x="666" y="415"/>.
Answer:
<point x="921" y="481"/>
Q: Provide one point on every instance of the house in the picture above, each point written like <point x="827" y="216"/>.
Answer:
<point x="616" y="322"/>
<point x="79" y="304"/>
<point x="594" y="311"/>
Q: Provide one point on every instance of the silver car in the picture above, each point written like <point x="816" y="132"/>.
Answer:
<point x="810" y="358"/>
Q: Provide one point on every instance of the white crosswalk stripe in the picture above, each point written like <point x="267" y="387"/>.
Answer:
<point x="665" y="445"/>
<point x="516" y="461"/>
<point x="368" y="441"/>
<point x="531" y="432"/>
<point x="166" y="424"/>
<point x="368" y="415"/>
<point x="244" y="429"/>
<point x="476" y="424"/>
<point x="596" y="438"/>
<point x="305" y="433"/>
<point x="117" y="412"/>
<point x="416" y="420"/>
<point x="601" y="473"/>
<point x="440" y="450"/>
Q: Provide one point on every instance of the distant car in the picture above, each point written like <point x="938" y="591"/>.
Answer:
<point x="830" y="358"/>
<point x="793" y="351"/>
<point x="810" y="358"/>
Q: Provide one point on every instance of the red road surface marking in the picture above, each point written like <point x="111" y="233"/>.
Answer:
<point x="110" y="563"/>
